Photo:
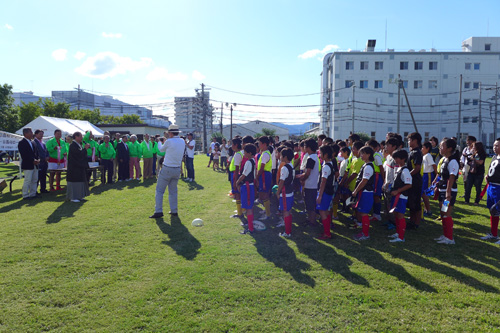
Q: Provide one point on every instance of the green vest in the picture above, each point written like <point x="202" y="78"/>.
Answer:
<point x="147" y="152"/>
<point x="107" y="153"/>
<point x="52" y="148"/>
<point x="269" y="163"/>
<point x="232" y="167"/>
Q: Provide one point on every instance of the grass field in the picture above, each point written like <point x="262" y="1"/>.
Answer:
<point x="103" y="265"/>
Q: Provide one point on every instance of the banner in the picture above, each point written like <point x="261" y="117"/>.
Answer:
<point x="9" y="141"/>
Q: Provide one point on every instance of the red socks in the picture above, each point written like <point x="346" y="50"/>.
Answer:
<point x="365" y="222"/>
<point x="448" y="227"/>
<point x="288" y="224"/>
<point x="250" y="222"/>
<point x="401" y="228"/>
<point x="494" y="225"/>
<point x="326" y="227"/>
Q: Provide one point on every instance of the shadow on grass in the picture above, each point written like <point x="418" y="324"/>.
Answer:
<point x="17" y="201"/>
<point x="276" y="250"/>
<point x="193" y="185"/>
<point x="180" y="239"/>
<point x="65" y="210"/>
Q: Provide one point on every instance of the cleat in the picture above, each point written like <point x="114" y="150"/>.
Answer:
<point x="280" y="224"/>
<point x="447" y="241"/>
<point x="236" y="216"/>
<point x="439" y="238"/>
<point x="396" y="235"/>
<point x="246" y="231"/>
<point x="361" y="237"/>
<point x="498" y="242"/>
<point x="489" y="236"/>
<point x="284" y="235"/>
<point x="397" y="240"/>
<point x="375" y="218"/>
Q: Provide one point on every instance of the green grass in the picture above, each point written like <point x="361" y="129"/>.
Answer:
<point x="104" y="266"/>
<point x="8" y="170"/>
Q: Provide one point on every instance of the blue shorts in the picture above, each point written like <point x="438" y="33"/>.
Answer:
<point x="326" y="200"/>
<point x="233" y="189"/>
<point x="265" y="186"/>
<point x="493" y="193"/>
<point x="365" y="202"/>
<point x="427" y="180"/>
<point x="247" y="196"/>
<point x="288" y="202"/>
<point x="378" y="185"/>
<point x="400" y="207"/>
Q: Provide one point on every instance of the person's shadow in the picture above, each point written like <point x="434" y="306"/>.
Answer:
<point x="67" y="209"/>
<point x="180" y="239"/>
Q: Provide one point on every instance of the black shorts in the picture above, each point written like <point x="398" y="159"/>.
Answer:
<point x="442" y="197"/>
<point x="310" y="199"/>
<point x="415" y="195"/>
<point x="211" y="157"/>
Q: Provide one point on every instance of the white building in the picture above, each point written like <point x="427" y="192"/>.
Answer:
<point x="189" y="112"/>
<point x="26" y="97"/>
<point x="432" y="83"/>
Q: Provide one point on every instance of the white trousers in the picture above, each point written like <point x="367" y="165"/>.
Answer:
<point x="30" y="183"/>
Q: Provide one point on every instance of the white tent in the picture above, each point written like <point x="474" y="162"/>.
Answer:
<point x="67" y="126"/>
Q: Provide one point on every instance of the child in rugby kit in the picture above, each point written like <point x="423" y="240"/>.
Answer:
<point x="415" y="165"/>
<point x="391" y="145"/>
<point x="335" y="204"/>
<point x="234" y="171"/>
<point x="354" y="168"/>
<point x="430" y="171"/>
<point x="493" y="192"/>
<point x="399" y="193"/>
<point x="447" y="187"/>
<point x="309" y="180"/>
<point x="365" y="185"/>
<point x="264" y="176"/>
<point x="285" y="190"/>
<point x="245" y="185"/>
<point x="378" y="165"/>
<point x="329" y="173"/>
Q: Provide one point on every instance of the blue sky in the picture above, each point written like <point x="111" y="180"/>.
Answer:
<point x="147" y="52"/>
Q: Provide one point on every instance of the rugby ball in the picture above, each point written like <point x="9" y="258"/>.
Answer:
<point x="197" y="222"/>
<point x="259" y="226"/>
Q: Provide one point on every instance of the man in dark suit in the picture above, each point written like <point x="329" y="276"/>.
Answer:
<point x="43" y="154"/>
<point x="29" y="163"/>
<point x="123" y="160"/>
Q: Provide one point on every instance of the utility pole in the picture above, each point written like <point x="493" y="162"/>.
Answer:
<point x="409" y="109"/>
<point x="231" y="124"/>
<point x="204" y="117"/>
<point x="221" y="111"/>
<point x="480" y="120"/>
<point x="496" y="112"/>
<point x="78" y="96"/>
<point x="353" y="110"/>
<point x="459" y="134"/>
<point x="399" y="104"/>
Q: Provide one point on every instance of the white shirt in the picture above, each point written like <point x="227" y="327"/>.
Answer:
<point x="428" y="162"/>
<point x="312" y="180"/>
<point x="343" y="167"/>
<point x="237" y="158"/>
<point x="174" y="151"/>
<point x="368" y="172"/>
<point x="248" y="168"/>
<point x="273" y="157"/>
<point x="223" y="150"/>
<point x="190" y="152"/>
<point x="212" y="147"/>
<point x="406" y="178"/>
<point x="389" y="168"/>
<point x="377" y="160"/>
<point x="284" y="175"/>
<point x="304" y="161"/>
<point x="325" y="172"/>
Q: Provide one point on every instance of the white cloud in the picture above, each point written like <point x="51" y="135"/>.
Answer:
<point x="315" y="52"/>
<point x="59" y="54"/>
<point x="79" y="55"/>
<point x="197" y="75"/>
<point x="9" y="27"/>
<point x="159" y="73"/>
<point x="111" y="35"/>
<point x="109" y="64"/>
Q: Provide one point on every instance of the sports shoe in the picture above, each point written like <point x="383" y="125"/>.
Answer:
<point x="375" y="217"/>
<point x="280" y="224"/>
<point x="352" y="218"/>
<point x="236" y="216"/>
<point x="397" y="240"/>
<point x="439" y="238"/>
<point x="489" y="236"/>
<point x="234" y="200"/>
<point x="396" y="235"/>
<point x="266" y="218"/>
<point x="324" y="237"/>
<point x="446" y="241"/>
<point x="361" y="237"/>
<point x="284" y="235"/>
<point x="246" y="231"/>
<point x="75" y="200"/>
<point x="244" y="223"/>
<point x="498" y="242"/>
<point x="428" y="214"/>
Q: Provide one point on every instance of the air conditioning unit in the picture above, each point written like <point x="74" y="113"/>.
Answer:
<point x="378" y="101"/>
<point x="433" y="102"/>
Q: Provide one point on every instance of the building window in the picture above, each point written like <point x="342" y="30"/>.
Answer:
<point x="405" y="84"/>
<point x="363" y="84"/>
<point x="433" y="84"/>
<point x="348" y="83"/>
<point x="475" y="102"/>
<point x="426" y="136"/>
<point x="475" y="85"/>
<point x="403" y="65"/>
<point x="419" y="65"/>
<point x="417" y="84"/>
<point x="378" y="84"/>
<point x="379" y="65"/>
<point x="363" y="65"/>
<point x="466" y="120"/>
<point x="477" y="66"/>
<point x="468" y="66"/>
<point x="373" y="135"/>
<point x="474" y="120"/>
<point x="467" y="85"/>
<point x="487" y="47"/>
<point x="466" y="101"/>
<point x="433" y="65"/>
<point x="349" y="65"/>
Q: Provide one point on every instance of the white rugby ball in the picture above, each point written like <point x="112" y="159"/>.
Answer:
<point x="197" y="222"/>
<point x="259" y="226"/>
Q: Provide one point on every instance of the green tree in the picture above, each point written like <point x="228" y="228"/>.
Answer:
<point x="267" y="132"/>
<point x="9" y="114"/>
<point x="58" y="110"/>
<point x="125" y="119"/>
<point x="218" y="136"/>
<point x="92" y="116"/>
<point x="29" y="112"/>
<point x="364" y="137"/>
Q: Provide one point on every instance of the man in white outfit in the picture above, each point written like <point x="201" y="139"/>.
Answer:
<point x="170" y="172"/>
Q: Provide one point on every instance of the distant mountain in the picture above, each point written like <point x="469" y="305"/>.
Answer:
<point x="296" y="129"/>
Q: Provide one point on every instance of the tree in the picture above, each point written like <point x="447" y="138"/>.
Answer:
<point x="58" y="110"/>
<point x="266" y="132"/>
<point x="218" y="136"/>
<point x="92" y="116"/>
<point x="364" y="137"/>
<point x="29" y="112"/>
<point x="125" y="119"/>
<point x="9" y="114"/>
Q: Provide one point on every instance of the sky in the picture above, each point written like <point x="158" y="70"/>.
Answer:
<point x="147" y="52"/>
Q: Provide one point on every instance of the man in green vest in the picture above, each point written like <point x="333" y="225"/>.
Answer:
<point x="135" y="152"/>
<point x="108" y="155"/>
<point x="115" y="143"/>
<point x="147" y="157"/>
<point x="92" y="152"/>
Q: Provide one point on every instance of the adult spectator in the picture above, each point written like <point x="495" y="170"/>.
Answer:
<point x="147" y="148"/>
<point x="190" y="144"/>
<point x="92" y="152"/>
<point x="43" y="155"/>
<point x="78" y="187"/>
<point x="155" y="152"/>
<point x="171" y="171"/>
<point x="476" y="171"/>
<point x="123" y="159"/>
<point x="115" y="143"/>
<point x="57" y="153"/>
<point x="466" y="158"/>
<point x="29" y="163"/>
<point x="211" y="151"/>
<point x="135" y="153"/>
<point x="108" y="154"/>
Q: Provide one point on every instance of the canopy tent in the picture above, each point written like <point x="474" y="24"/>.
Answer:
<point x="67" y="126"/>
